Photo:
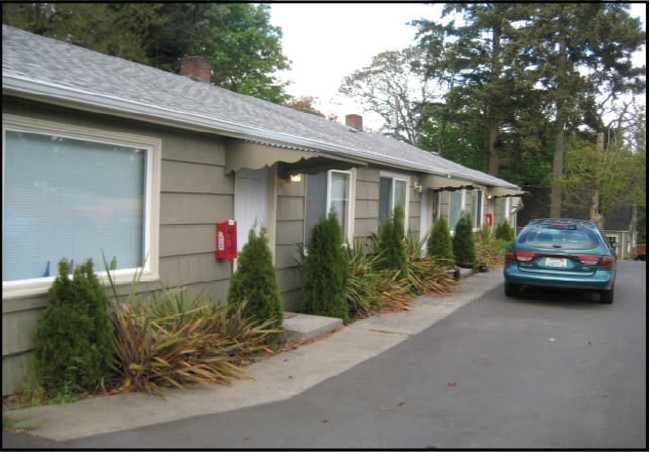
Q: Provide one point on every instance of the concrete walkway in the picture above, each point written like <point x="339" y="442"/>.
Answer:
<point x="273" y="379"/>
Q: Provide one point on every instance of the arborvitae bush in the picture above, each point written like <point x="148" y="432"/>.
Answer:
<point x="254" y="282"/>
<point x="439" y="244"/>
<point x="463" y="242"/>
<point x="504" y="232"/>
<point x="391" y="243"/>
<point x="73" y="347"/>
<point x="326" y="268"/>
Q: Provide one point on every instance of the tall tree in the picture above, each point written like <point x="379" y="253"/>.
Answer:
<point x="605" y="170"/>
<point x="573" y="51"/>
<point x="118" y="29"/>
<point x="244" y="48"/>
<point x="469" y="54"/>
<point x="394" y="87"/>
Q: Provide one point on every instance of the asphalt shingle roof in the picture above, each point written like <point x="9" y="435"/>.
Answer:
<point x="38" y="65"/>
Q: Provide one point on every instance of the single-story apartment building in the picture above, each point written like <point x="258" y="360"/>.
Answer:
<point x="106" y="157"/>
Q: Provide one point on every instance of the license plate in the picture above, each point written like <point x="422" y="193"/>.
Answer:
<point x="555" y="262"/>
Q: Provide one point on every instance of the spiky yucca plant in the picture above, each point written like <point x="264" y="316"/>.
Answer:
<point x="487" y="248"/>
<point x="426" y="275"/>
<point x="172" y="338"/>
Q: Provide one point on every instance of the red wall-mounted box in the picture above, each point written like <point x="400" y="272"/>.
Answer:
<point x="227" y="240"/>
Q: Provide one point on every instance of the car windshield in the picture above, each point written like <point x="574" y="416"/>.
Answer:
<point x="567" y="239"/>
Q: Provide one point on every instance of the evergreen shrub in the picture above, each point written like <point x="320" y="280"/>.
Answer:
<point x="254" y="282"/>
<point x="439" y="245"/>
<point x="504" y="232"/>
<point x="391" y="243"/>
<point x="73" y="346"/>
<point x="463" y="242"/>
<point x="326" y="270"/>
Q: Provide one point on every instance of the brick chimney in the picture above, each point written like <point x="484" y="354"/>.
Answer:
<point x="197" y="68"/>
<point x="354" y="121"/>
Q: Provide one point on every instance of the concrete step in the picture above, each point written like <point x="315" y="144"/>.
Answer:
<point x="300" y="327"/>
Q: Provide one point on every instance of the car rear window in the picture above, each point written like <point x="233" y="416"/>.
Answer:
<point x="568" y="239"/>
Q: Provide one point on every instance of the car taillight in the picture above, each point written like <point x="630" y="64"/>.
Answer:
<point x="589" y="260"/>
<point x="510" y="255"/>
<point x="524" y="256"/>
<point x="607" y="260"/>
<point x="603" y="261"/>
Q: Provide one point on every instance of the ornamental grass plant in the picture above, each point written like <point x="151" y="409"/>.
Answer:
<point x="174" y="339"/>
<point x="487" y="248"/>
<point x="426" y="275"/>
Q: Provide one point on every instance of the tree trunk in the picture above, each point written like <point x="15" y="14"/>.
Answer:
<point x="594" y="209"/>
<point x="493" y="162"/>
<point x="493" y="159"/>
<point x="558" y="157"/>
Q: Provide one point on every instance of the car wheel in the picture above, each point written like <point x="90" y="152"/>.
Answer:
<point x="607" y="296"/>
<point x="512" y="290"/>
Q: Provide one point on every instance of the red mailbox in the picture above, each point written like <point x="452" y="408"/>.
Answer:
<point x="488" y="219"/>
<point x="227" y="240"/>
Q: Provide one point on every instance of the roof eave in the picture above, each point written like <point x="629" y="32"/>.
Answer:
<point x="91" y="101"/>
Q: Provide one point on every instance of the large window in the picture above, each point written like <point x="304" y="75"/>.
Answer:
<point x="326" y="191"/>
<point x="392" y="192"/>
<point x="67" y="195"/>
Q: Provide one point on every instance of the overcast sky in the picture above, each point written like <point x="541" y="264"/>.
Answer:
<point x="328" y="41"/>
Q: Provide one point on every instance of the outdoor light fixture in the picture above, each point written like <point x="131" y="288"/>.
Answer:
<point x="417" y="187"/>
<point x="295" y="177"/>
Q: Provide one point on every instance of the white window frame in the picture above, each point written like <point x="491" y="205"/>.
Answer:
<point x="348" y="227"/>
<point x="153" y="147"/>
<point x="407" y="180"/>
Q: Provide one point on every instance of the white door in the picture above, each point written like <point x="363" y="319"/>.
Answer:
<point x="252" y="202"/>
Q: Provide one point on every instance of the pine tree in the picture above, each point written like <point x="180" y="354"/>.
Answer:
<point x="327" y="269"/>
<point x="439" y="244"/>
<point x="73" y="347"/>
<point x="255" y="283"/>
<point x="463" y="242"/>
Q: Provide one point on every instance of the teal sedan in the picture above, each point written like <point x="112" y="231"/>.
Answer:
<point x="561" y="253"/>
